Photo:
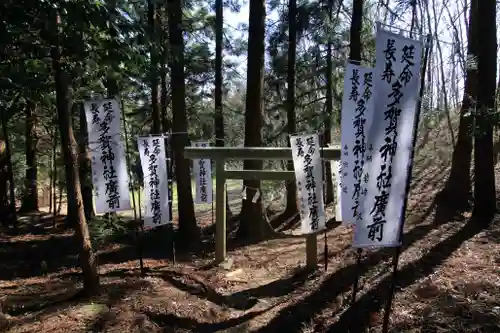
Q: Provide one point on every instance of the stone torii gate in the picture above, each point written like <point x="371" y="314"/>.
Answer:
<point x="220" y="154"/>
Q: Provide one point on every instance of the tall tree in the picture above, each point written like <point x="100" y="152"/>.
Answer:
<point x="85" y="158"/>
<point x="85" y="164"/>
<point x="327" y="137"/>
<point x="355" y="32"/>
<point x="291" y="187"/>
<point x="10" y="214"/>
<point x="457" y="192"/>
<point x="187" y="220"/>
<point x="155" y="103"/>
<point x="4" y="195"/>
<point x="112" y="83"/>
<point x="252" y="217"/>
<point x="112" y="88"/>
<point x="219" y="107"/>
<point x="30" y="198"/>
<point x="444" y="90"/>
<point x="484" y="183"/>
<point x="69" y="147"/>
<point x="164" y="100"/>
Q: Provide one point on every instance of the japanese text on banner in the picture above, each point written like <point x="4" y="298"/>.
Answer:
<point x="357" y="116"/>
<point x="397" y="83"/>
<point x="155" y="173"/>
<point x="309" y="179"/>
<point x="203" y="172"/>
<point x="109" y="168"/>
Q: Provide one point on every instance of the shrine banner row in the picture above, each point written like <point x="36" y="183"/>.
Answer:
<point x="379" y="110"/>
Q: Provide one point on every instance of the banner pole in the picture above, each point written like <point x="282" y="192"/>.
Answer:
<point x="397" y="251"/>
<point x="170" y="162"/>
<point x="139" y="227"/>
<point x="355" y="284"/>
<point x="323" y="173"/>
<point x="141" y="223"/>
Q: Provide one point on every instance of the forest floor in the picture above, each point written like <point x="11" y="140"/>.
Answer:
<point x="449" y="279"/>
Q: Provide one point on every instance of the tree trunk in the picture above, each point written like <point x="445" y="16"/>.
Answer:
<point x="443" y="77"/>
<point x="10" y="174"/>
<point x="51" y="180"/>
<point x="457" y="192"/>
<point x="111" y="77"/>
<point x="327" y="138"/>
<point x="112" y="87"/>
<point x="291" y="186"/>
<point x="165" y="123"/>
<point x="30" y="198"/>
<point x="85" y="163"/>
<point x="69" y="147"/>
<point x="4" y="204"/>
<point x="219" y="111"/>
<point x="484" y="184"/>
<point x="188" y="229"/>
<point x="252" y="217"/>
<point x="54" y="174"/>
<point x="164" y="101"/>
<point x="155" y="105"/>
<point x="355" y="31"/>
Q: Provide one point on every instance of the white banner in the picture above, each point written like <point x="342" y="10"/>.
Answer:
<point x="109" y="168"/>
<point x="309" y="177"/>
<point x="338" y="190"/>
<point x="202" y="170"/>
<point x="397" y="83"/>
<point x="357" y="116"/>
<point x="154" y="169"/>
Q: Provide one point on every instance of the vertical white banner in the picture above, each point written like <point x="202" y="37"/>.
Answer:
<point x="357" y="117"/>
<point x="397" y="83"/>
<point x="202" y="170"/>
<point x="109" y="168"/>
<point x="154" y="169"/>
<point x="338" y="189"/>
<point x="308" y="174"/>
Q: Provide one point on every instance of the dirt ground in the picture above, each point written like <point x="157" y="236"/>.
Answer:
<point x="448" y="279"/>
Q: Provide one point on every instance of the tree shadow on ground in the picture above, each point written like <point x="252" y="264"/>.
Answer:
<point x="234" y="243"/>
<point x="242" y="300"/>
<point x="279" y="287"/>
<point x="38" y="223"/>
<point x="172" y="323"/>
<point x="473" y="310"/>
<point x="112" y="296"/>
<point x="40" y="249"/>
<point x="194" y="286"/>
<point x="38" y="296"/>
<point x="372" y="301"/>
<point x="284" y="221"/>
<point x="337" y="284"/>
<point x="28" y="258"/>
<point x="42" y="300"/>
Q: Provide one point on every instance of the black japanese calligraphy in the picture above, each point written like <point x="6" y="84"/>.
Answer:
<point x="169" y="165"/>
<point x="311" y="182"/>
<point x="94" y="109"/>
<point x="389" y="52"/>
<point x="354" y="85"/>
<point x="300" y="147"/>
<point x="154" y="180"/>
<point x="359" y="149"/>
<point x="203" y="180"/>
<point x="106" y="142"/>
<point x="389" y="146"/>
